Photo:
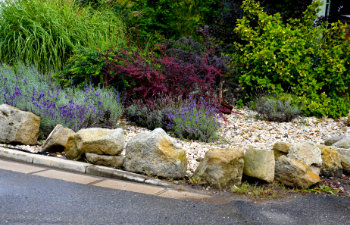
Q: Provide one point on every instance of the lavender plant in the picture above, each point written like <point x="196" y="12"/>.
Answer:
<point x="195" y="120"/>
<point x="25" y="88"/>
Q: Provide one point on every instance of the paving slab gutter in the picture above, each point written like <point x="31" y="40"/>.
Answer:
<point x="78" y="167"/>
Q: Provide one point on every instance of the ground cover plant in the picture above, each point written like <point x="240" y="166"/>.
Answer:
<point x="273" y="109"/>
<point x="45" y="33"/>
<point x="310" y="62"/>
<point x="25" y="88"/>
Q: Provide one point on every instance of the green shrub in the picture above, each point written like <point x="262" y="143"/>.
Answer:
<point x="311" y="62"/>
<point x="274" y="109"/>
<point x="82" y="68"/>
<point x="45" y="32"/>
<point x="150" y="20"/>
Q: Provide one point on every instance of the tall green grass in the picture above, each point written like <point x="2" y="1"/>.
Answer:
<point x="44" y="33"/>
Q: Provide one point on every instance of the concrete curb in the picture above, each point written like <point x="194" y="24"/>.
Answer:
<point x="79" y="167"/>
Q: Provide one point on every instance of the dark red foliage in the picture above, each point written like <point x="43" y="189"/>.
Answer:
<point x="151" y="78"/>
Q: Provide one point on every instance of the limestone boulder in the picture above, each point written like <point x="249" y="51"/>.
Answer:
<point x="17" y="126"/>
<point x="154" y="153"/>
<point x="343" y="143"/>
<point x="114" y="161"/>
<point x="330" y="141"/>
<point x="308" y="154"/>
<point x="280" y="148"/>
<point x="293" y="173"/>
<point x="345" y="159"/>
<point x="221" y="167"/>
<point x="100" y="141"/>
<point x="57" y="139"/>
<point x="259" y="163"/>
<point x="331" y="163"/>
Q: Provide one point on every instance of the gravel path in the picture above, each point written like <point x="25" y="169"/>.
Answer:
<point x="242" y="130"/>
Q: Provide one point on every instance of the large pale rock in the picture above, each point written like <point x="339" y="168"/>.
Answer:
<point x="345" y="159"/>
<point x="95" y="140"/>
<point x="307" y="153"/>
<point x="331" y="162"/>
<point x="17" y="126"/>
<point x="343" y="143"/>
<point x="260" y="164"/>
<point x="280" y="148"/>
<point x="57" y="139"/>
<point x="154" y="153"/>
<point x="105" y="160"/>
<point x="332" y="140"/>
<point x="292" y="172"/>
<point x="221" y="167"/>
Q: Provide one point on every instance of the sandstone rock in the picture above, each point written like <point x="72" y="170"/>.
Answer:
<point x="57" y="139"/>
<point x="331" y="163"/>
<point x="154" y="153"/>
<point x="345" y="159"/>
<point x="260" y="164"/>
<point x="307" y="153"/>
<point x="280" y="148"/>
<point x="292" y="172"/>
<point x="343" y="143"/>
<point x="17" y="126"/>
<point x="95" y="140"/>
<point x="221" y="167"/>
<point x="330" y="141"/>
<point x="105" y="160"/>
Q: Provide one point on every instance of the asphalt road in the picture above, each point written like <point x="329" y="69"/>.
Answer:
<point x="30" y="199"/>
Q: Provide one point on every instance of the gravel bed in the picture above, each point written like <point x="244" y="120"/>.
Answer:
<point x="242" y="129"/>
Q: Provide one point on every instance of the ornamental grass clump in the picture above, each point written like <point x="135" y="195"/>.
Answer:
<point x="45" y="32"/>
<point x="196" y="120"/>
<point x="25" y="88"/>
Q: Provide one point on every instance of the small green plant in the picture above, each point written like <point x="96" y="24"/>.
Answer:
<point x="261" y="191"/>
<point x="322" y="188"/>
<point x="274" y="109"/>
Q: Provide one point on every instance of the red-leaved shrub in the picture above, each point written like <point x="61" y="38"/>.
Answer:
<point x="152" y="77"/>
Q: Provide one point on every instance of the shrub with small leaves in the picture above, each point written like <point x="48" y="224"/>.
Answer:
<point x="196" y="120"/>
<point x="274" y="109"/>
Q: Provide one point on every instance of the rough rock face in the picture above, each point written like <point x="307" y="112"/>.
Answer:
<point x="280" y="148"/>
<point x="95" y="140"/>
<point x="331" y="163"/>
<point x="260" y="164"/>
<point x="154" y="153"/>
<point x="57" y="139"/>
<point x="332" y="140"/>
<point x="345" y="159"/>
<point x="105" y="160"/>
<point x="307" y="153"/>
<point x="343" y="143"/>
<point x="292" y="172"/>
<point x="17" y="126"/>
<point x="221" y="168"/>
